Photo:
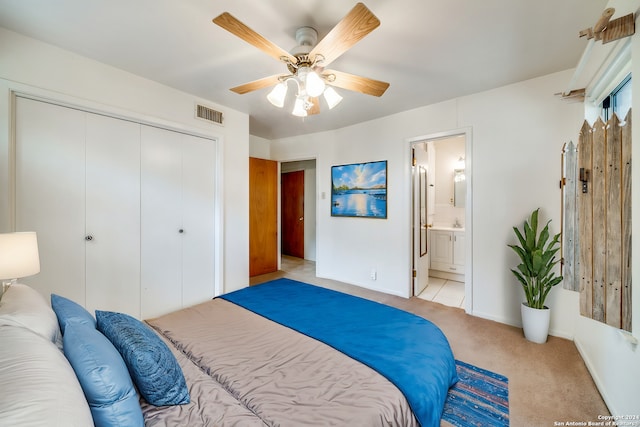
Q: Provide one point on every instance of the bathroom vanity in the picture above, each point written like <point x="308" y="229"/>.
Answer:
<point x="447" y="251"/>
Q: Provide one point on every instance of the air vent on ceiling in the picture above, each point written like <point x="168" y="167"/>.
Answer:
<point x="208" y="114"/>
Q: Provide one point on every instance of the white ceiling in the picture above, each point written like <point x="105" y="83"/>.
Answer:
<point x="428" y="50"/>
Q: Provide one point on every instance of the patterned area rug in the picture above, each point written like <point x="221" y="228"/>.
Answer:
<point x="480" y="398"/>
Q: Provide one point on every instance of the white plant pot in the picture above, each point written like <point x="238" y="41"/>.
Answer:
<point x="535" y="323"/>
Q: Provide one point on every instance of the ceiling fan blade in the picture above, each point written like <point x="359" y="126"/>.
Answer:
<point x="237" y="28"/>
<point x="356" y="83"/>
<point x="256" y="84"/>
<point x="315" y="108"/>
<point x="359" y="22"/>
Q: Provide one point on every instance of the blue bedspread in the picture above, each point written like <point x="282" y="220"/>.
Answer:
<point x="408" y="350"/>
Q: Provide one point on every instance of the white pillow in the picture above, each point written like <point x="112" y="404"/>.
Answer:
<point x="24" y="306"/>
<point x="39" y="387"/>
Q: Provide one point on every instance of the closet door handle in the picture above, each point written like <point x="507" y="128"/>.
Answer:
<point x="88" y="237"/>
<point x="181" y="231"/>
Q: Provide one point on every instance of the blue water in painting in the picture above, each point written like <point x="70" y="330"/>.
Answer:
<point x="371" y="203"/>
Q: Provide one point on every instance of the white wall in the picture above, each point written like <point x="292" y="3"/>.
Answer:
<point x="349" y="248"/>
<point x="34" y="67"/>
<point x="518" y="132"/>
<point x="310" y="198"/>
<point x="259" y="147"/>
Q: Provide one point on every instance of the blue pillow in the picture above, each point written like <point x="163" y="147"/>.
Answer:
<point x="104" y="378"/>
<point x="152" y="366"/>
<point x="68" y="311"/>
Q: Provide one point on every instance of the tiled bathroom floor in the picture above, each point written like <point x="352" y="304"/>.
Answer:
<point x="446" y="292"/>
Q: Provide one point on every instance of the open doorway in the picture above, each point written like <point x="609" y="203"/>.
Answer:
<point x="298" y="209"/>
<point x="441" y="218"/>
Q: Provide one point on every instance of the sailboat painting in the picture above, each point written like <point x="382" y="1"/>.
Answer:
<point x="359" y="190"/>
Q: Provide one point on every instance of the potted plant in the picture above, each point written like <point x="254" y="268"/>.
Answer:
<point x="537" y="275"/>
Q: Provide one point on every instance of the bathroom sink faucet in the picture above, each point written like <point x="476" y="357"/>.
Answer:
<point x="457" y="224"/>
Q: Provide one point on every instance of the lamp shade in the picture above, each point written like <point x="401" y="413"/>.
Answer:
<point x="18" y="255"/>
<point x="298" y="108"/>
<point x="277" y="95"/>
<point x="314" y="84"/>
<point x="332" y="97"/>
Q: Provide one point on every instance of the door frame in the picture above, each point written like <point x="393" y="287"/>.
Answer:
<point x="468" y="268"/>
<point x="312" y="209"/>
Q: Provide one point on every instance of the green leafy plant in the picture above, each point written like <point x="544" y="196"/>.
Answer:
<point x="537" y="255"/>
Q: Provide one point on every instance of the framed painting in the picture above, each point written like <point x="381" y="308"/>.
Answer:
<point x="359" y="190"/>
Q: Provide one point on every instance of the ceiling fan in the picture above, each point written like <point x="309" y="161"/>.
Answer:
<point x="306" y="62"/>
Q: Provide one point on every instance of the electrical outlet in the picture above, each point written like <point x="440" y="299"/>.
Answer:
<point x="374" y="274"/>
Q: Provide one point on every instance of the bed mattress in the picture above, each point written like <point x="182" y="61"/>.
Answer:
<point x="243" y="369"/>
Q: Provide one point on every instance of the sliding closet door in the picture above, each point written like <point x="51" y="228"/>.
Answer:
<point x="78" y="187"/>
<point x="50" y="193"/>
<point x="177" y="211"/>
<point x="112" y="238"/>
<point x="124" y="212"/>
<point x="162" y="229"/>
<point x="198" y="190"/>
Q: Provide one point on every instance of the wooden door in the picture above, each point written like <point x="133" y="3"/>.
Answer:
<point x="292" y="194"/>
<point x="263" y="216"/>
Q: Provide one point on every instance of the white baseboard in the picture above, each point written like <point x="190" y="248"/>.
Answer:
<point x="367" y="286"/>
<point x="518" y="324"/>
<point x="596" y="378"/>
<point x="498" y="319"/>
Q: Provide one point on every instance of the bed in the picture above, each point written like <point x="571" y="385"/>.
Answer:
<point x="283" y="353"/>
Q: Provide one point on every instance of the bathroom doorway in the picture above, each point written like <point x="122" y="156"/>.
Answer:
<point x="442" y="218"/>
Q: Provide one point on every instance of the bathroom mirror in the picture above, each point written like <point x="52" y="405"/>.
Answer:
<point x="459" y="188"/>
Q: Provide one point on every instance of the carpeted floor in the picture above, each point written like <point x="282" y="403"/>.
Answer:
<point x="548" y="383"/>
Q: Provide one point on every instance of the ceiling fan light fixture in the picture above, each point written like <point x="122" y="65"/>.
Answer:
<point x="332" y="97"/>
<point x="278" y="94"/>
<point x="298" y="108"/>
<point x="307" y="61"/>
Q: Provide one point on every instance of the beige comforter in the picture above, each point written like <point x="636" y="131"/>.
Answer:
<point x="245" y="370"/>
